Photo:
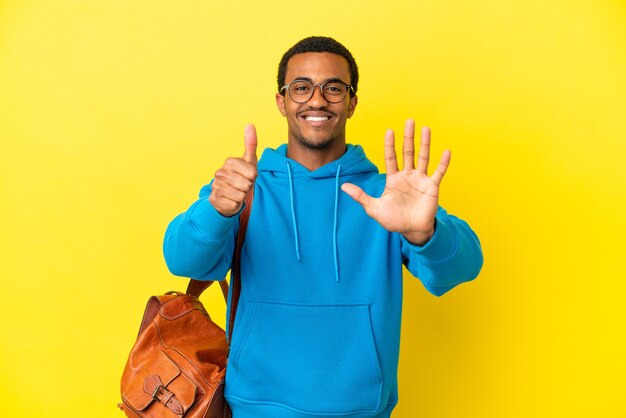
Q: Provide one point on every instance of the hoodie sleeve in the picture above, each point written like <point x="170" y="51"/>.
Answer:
<point x="452" y="256"/>
<point x="199" y="243"/>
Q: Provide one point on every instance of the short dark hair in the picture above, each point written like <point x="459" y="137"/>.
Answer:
<point x="318" y="44"/>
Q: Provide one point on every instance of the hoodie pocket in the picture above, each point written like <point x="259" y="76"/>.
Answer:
<point x="312" y="359"/>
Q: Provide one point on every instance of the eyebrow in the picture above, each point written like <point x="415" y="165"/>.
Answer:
<point x="311" y="81"/>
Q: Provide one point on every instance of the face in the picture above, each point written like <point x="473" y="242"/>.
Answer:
<point x="317" y="124"/>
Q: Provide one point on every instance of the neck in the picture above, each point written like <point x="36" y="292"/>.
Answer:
<point x="312" y="158"/>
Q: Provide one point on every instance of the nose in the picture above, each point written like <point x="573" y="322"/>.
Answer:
<point x="317" y="99"/>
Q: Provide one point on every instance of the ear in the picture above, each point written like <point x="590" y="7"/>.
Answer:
<point x="352" y="105"/>
<point x="280" y="102"/>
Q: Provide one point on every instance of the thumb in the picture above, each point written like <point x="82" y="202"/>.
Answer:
<point x="357" y="194"/>
<point x="250" y="142"/>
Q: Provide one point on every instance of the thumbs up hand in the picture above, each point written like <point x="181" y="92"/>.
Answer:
<point x="236" y="178"/>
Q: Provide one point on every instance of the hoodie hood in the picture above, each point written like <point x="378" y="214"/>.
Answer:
<point x="353" y="161"/>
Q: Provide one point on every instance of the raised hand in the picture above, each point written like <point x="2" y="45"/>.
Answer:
<point x="410" y="200"/>
<point x="236" y="177"/>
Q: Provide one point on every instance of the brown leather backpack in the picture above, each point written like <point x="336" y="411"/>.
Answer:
<point x="178" y="363"/>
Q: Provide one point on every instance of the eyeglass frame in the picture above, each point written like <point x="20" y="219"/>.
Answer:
<point x="320" y="85"/>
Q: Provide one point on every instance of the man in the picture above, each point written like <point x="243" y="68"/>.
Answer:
<point x="317" y="329"/>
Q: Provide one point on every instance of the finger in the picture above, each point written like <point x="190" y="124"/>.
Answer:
<point x="442" y="167"/>
<point x="408" y="148"/>
<point x="250" y="142"/>
<point x="424" y="156"/>
<point x="358" y="194"/>
<point x="391" y="161"/>
<point x="238" y="167"/>
<point x="230" y="193"/>
<point x="237" y="182"/>
<point x="224" y="206"/>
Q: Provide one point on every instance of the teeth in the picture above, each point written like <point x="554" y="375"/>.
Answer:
<point x="316" y="118"/>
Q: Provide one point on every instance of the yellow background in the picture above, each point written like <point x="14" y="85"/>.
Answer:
<point x="113" y="114"/>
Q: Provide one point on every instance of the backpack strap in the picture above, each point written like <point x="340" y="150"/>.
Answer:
<point x="236" y="277"/>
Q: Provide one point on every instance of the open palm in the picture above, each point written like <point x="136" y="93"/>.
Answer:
<point x="410" y="200"/>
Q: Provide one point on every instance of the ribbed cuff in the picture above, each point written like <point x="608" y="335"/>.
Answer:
<point x="443" y="244"/>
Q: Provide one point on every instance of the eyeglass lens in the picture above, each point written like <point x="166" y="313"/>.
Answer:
<point x="301" y="91"/>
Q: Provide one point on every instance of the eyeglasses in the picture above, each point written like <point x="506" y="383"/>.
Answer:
<point x="301" y="91"/>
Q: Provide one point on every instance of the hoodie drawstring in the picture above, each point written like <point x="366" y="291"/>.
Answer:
<point x="295" y="224"/>
<point x="335" y="224"/>
<point x="293" y="212"/>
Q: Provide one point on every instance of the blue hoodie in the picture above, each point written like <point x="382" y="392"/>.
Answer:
<point x="317" y="329"/>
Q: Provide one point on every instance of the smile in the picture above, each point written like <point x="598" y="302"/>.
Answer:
<point x="316" y="118"/>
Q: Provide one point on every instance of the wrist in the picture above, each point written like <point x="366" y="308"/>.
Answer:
<point x="420" y="238"/>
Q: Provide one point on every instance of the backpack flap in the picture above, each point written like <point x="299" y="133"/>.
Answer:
<point x="164" y="385"/>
